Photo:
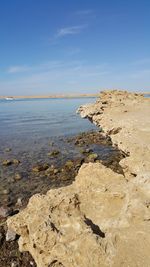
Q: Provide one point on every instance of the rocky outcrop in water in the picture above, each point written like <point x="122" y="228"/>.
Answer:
<point x="102" y="219"/>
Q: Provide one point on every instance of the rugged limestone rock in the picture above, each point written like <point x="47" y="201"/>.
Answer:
<point x="102" y="219"/>
<point x="126" y="119"/>
<point x="59" y="231"/>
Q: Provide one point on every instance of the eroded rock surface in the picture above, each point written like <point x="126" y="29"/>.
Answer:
<point x="103" y="218"/>
<point x="126" y="118"/>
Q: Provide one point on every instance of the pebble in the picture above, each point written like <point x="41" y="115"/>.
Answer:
<point x="5" y="212"/>
<point x="6" y="162"/>
<point x="16" y="161"/>
<point x="64" y="178"/>
<point x="86" y="151"/>
<point x="7" y="149"/>
<point x="10" y="235"/>
<point x="6" y="191"/>
<point x="18" y="176"/>
<point x="49" y="170"/>
<point x="69" y="164"/>
<point x="92" y="157"/>
<point x="55" y="171"/>
<point x="40" y="168"/>
<point x="51" y="143"/>
<point x="14" y="264"/>
<point x="54" y="153"/>
<point x="19" y="202"/>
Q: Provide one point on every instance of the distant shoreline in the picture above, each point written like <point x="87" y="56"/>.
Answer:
<point x="58" y="96"/>
<point x="50" y="96"/>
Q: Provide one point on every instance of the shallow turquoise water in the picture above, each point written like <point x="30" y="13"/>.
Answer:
<point x="39" y="118"/>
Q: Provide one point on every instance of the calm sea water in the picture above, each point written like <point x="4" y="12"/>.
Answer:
<point x="29" y="131"/>
<point x="147" y="95"/>
<point x="38" y="118"/>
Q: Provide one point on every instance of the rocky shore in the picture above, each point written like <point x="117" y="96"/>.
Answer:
<point x="38" y="167"/>
<point x="103" y="217"/>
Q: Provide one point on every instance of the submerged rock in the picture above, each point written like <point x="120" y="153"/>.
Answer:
<point x="19" y="202"/>
<point x="86" y="150"/>
<point x="92" y="157"/>
<point x="54" y="153"/>
<point x="69" y="164"/>
<point x="5" y="212"/>
<point x="39" y="168"/>
<point x="50" y="170"/>
<point x="7" y="149"/>
<point x="55" y="171"/>
<point x="5" y="191"/>
<point x="15" y="161"/>
<point x="7" y="162"/>
<point x="10" y="235"/>
<point x="18" y="176"/>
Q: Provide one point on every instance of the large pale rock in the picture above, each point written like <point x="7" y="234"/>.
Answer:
<point x="102" y="219"/>
<point x="55" y="230"/>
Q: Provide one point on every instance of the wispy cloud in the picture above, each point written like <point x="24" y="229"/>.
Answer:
<point x="56" y="76"/>
<point x="63" y="76"/>
<point x="71" y="30"/>
<point x="17" y="69"/>
<point x="66" y="31"/>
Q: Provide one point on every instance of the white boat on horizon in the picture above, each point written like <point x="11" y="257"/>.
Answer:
<point x="9" y="98"/>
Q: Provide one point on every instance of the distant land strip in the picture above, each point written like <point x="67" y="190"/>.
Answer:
<point x="51" y="96"/>
<point x="59" y="96"/>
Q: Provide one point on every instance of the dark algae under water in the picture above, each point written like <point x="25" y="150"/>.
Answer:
<point x="51" y="164"/>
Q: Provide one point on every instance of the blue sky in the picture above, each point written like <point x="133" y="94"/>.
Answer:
<point x="74" y="46"/>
